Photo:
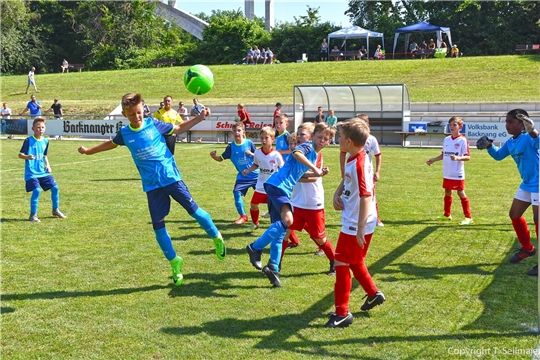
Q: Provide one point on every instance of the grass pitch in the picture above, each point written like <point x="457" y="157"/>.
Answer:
<point x="96" y="286"/>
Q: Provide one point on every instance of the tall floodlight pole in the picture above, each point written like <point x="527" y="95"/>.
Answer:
<point x="249" y="9"/>
<point x="269" y="14"/>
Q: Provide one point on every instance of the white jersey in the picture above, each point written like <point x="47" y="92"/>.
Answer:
<point x="372" y="147"/>
<point x="309" y="195"/>
<point x="268" y="164"/>
<point x="357" y="182"/>
<point x="459" y="146"/>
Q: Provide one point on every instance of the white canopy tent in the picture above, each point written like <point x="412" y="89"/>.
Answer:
<point x="421" y="27"/>
<point x="356" y="32"/>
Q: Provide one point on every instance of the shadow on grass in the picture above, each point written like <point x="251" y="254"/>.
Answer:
<point x="6" y="220"/>
<point x="6" y="310"/>
<point x="109" y="179"/>
<point x="74" y="294"/>
<point x="421" y="273"/>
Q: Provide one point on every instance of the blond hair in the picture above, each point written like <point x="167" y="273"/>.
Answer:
<point x="355" y="129"/>
<point x="238" y="124"/>
<point x="457" y="119"/>
<point x="269" y="131"/>
<point x="131" y="99"/>
<point x="38" y="119"/>
<point x="309" y="126"/>
<point x="324" y="128"/>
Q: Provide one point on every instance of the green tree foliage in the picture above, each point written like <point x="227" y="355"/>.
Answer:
<point x="480" y="27"/>
<point x="23" y="45"/>
<point x="228" y="37"/>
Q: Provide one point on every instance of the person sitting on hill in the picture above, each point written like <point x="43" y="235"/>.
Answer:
<point x="379" y="53"/>
<point x="65" y="66"/>
<point x="455" y="51"/>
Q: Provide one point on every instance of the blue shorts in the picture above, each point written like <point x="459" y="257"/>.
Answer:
<point x="276" y="199"/>
<point x="242" y="186"/>
<point x="30" y="82"/>
<point x="46" y="183"/>
<point x="159" y="200"/>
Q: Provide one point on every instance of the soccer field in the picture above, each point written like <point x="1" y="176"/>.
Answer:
<point x="96" y="285"/>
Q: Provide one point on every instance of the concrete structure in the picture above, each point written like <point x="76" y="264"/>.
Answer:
<point x="249" y="9"/>
<point x="183" y="19"/>
<point x="249" y="12"/>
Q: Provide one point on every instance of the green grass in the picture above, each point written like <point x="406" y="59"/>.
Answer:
<point x="97" y="286"/>
<point x="468" y="79"/>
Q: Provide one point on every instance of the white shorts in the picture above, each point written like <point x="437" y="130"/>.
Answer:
<point x="527" y="196"/>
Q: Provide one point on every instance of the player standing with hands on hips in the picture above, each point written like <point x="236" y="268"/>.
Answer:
<point x="523" y="147"/>
<point x="454" y="153"/>
<point x="161" y="179"/>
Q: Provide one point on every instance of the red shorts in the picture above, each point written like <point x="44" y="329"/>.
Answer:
<point x="348" y="251"/>
<point x="259" y="198"/>
<point x="449" y="184"/>
<point x="311" y="220"/>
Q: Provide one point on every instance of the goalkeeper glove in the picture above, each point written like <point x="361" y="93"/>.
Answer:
<point x="483" y="143"/>
<point x="527" y="122"/>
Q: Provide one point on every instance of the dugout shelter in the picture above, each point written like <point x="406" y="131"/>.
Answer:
<point x="387" y="105"/>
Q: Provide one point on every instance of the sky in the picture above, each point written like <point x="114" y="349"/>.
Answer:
<point x="284" y="10"/>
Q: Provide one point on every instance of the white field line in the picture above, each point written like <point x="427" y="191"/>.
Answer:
<point x="90" y="160"/>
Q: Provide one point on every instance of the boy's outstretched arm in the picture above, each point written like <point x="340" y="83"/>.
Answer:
<point x="186" y="125"/>
<point x="302" y="159"/>
<point x="105" y="146"/>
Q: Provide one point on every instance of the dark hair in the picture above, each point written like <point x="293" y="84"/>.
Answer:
<point x="513" y="113"/>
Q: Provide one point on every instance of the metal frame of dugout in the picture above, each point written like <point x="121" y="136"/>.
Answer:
<point x="387" y="105"/>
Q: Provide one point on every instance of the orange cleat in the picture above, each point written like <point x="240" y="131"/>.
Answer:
<point x="242" y="219"/>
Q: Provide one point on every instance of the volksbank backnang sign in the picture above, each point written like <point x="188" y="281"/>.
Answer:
<point x="473" y="130"/>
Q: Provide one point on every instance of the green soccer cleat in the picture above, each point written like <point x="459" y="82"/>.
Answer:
<point x="176" y="267"/>
<point x="221" y="251"/>
<point x="252" y="227"/>
<point x="444" y="218"/>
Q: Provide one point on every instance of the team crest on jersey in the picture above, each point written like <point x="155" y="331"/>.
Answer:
<point x="347" y="178"/>
<point x="457" y="146"/>
<point x="149" y="133"/>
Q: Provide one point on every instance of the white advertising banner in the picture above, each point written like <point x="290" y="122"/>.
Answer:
<point x="109" y="128"/>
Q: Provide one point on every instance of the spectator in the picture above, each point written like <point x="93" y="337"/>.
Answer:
<point x="249" y="56"/>
<point x="335" y="52"/>
<point x="455" y="51"/>
<point x="379" y="53"/>
<point x="431" y="47"/>
<point x="413" y="49"/>
<point x="324" y="50"/>
<point x="244" y="116"/>
<point x="168" y="115"/>
<point x="34" y="106"/>
<point x="146" y="110"/>
<point x="269" y="56"/>
<point x="331" y="120"/>
<point x="263" y="56"/>
<point x="182" y="111"/>
<point x="423" y="49"/>
<point x="196" y="108"/>
<point x="319" y="118"/>
<point x="5" y="112"/>
<point x="65" y="66"/>
<point x="31" y="80"/>
<point x="256" y="55"/>
<point x="161" y="105"/>
<point x="363" y="53"/>
<point x="277" y="111"/>
<point x="56" y="107"/>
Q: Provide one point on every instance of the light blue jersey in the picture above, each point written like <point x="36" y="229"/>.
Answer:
<point x="282" y="141"/>
<point x="241" y="161"/>
<point x="524" y="151"/>
<point x="39" y="148"/>
<point x="149" y="151"/>
<point x="292" y="171"/>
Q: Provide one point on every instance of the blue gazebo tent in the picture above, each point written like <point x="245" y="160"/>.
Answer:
<point x="356" y="32"/>
<point x="421" y="27"/>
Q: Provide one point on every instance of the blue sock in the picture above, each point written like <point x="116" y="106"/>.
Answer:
<point x="55" y="197"/>
<point x="205" y="221"/>
<point x="273" y="233"/>
<point x="34" y="200"/>
<point x="239" y="203"/>
<point x="165" y="243"/>
<point x="275" y="251"/>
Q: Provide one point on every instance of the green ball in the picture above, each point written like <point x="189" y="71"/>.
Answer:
<point x="198" y="79"/>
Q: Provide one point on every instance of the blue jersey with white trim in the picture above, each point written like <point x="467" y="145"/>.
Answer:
<point x="524" y="151"/>
<point x="149" y="151"/>
<point x="292" y="171"/>
<point x="241" y="161"/>
<point x="282" y="141"/>
<point x="38" y="148"/>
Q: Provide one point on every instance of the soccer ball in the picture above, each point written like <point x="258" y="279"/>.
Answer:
<point x="237" y="118"/>
<point x="198" y="79"/>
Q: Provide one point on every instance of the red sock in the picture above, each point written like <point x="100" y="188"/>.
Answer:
<point x="466" y="206"/>
<point x="342" y="289"/>
<point x="286" y="243"/>
<point x="536" y="227"/>
<point x="523" y="234"/>
<point x="447" y="205"/>
<point x="327" y="248"/>
<point x="361" y="274"/>
<point x="254" y="216"/>
<point x="293" y="238"/>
